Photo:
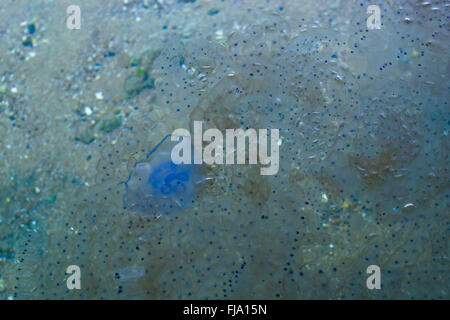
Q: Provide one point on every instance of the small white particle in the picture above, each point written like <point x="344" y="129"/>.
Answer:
<point x="87" y="110"/>
<point x="99" y="95"/>
<point x="219" y="35"/>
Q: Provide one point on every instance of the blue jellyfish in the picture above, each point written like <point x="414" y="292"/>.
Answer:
<point x="157" y="186"/>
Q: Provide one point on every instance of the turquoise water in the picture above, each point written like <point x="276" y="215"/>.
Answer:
<point x="363" y="123"/>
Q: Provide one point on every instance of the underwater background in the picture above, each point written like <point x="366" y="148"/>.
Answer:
<point x="363" y="178"/>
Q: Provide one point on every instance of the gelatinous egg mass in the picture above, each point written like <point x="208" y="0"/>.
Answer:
<point x="86" y="165"/>
<point x="158" y="186"/>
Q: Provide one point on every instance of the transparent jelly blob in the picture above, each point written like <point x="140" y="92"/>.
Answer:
<point x="157" y="186"/>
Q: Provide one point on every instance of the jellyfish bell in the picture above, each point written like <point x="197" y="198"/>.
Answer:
<point x="158" y="186"/>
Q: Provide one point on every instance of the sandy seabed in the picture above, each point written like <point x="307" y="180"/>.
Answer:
<point x="363" y="178"/>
